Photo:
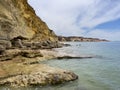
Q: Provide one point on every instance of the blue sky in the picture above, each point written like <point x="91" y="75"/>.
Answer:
<point x="111" y="25"/>
<point x="89" y="18"/>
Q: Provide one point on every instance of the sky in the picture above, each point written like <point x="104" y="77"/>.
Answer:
<point x="88" y="18"/>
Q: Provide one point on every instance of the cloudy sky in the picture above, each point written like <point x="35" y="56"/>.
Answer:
<point x="89" y="18"/>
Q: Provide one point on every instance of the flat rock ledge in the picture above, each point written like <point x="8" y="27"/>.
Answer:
<point x="19" y="67"/>
<point x="40" y="76"/>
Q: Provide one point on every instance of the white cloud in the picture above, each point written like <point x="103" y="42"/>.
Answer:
<point x="100" y="12"/>
<point x="69" y="17"/>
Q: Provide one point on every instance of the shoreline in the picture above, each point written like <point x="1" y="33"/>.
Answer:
<point x="25" y="41"/>
<point x="21" y="69"/>
<point x="26" y="70"/>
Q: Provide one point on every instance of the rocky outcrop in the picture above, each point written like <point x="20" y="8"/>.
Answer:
<point x="13" y="53"/>
<point x="18" y="22"/>
<point x="22" y="35"/>
<point x="79" y="39"/>
<point x="40" y="78"/>
<point x="24" y="68"/>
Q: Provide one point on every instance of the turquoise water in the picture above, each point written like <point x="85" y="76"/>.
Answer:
<point x="99" y="73"/>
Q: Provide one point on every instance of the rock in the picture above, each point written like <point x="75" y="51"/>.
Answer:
<point x="17" y="43"/>
<point x="31" y="53"/>
<point x="41" y="45"/>
<point x="27" y="44"/>
<point x="18" y="18"/>
<point x="45" y="43"/>
<point x="37" y="45"/>
<point x="21" y="28"/>
<point x="40" y="78"/>
<point x="13" y="53"/>
<point x="16" y="72"/>
<point x="22" y="34"/>
<point x="73" y="57"/>
<point x="9" y="54"/>
<point x="2" y="49"/>
<point x="6" y="44"/>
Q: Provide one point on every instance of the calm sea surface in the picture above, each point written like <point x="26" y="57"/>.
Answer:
<point x="99" y="73"/>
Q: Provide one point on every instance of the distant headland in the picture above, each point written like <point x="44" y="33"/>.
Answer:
<point x="80" y="39"/>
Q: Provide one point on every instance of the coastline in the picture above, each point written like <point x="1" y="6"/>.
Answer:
<point x="24" y="68"/>
<point x="25" y="41"/>
<point x="27" y="71"/>
<point x="80" y="39"/>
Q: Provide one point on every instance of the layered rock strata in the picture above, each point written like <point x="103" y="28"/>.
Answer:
<point x="25" y="68"/>
<point x="19" y="24"/>
<point x="22" y="35"/>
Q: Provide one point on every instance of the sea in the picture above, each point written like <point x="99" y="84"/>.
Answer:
<point x="102" y="72"/>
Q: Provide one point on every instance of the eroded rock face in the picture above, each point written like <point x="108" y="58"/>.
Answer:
<point x="13" y="53"/>
<point x="22" y="35"/>
<point x="17" y="18"/>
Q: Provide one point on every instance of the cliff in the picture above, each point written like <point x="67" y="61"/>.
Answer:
<point x="79" y="39"/>
<point x="18" y="20"/>
<point x="22" y="36"/>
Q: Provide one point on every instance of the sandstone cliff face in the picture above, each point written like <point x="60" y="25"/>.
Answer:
<point x="18" y="19"/>
<point x="22" y="36"/>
